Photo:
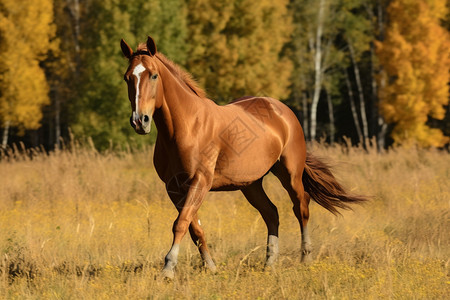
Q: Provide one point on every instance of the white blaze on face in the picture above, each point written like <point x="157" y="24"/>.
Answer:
<point x="137" y="72"/>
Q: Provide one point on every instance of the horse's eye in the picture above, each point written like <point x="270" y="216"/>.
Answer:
<point x="125" y="77"/>
<point x="154" y="76"/>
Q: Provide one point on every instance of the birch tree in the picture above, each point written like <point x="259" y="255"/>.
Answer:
<point x="318" y="67"/>
<point x="312" y="46"/>
<point x="318" y="60"/>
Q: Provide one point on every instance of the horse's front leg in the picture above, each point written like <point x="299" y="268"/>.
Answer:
<point x="198" y="237"/>
<point x="196" y="191"/>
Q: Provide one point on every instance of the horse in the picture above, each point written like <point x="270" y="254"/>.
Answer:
<point x="202" y="146"/>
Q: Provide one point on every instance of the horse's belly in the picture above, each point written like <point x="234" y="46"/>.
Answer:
<point x="235" y="170"/>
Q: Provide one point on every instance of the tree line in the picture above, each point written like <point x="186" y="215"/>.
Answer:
<point x="372" y="70"/>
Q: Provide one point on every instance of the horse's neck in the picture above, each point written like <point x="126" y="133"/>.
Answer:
<point x="179" y="106"/>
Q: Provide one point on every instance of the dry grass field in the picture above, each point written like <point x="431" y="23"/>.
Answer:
<point x="77" y="224"/>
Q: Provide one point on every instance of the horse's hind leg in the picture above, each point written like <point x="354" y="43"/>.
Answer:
<point x="257" y="197"/>
<point x="290" y="177"/>
<point x="302" y="213"/>
<point x="198" y="237"/>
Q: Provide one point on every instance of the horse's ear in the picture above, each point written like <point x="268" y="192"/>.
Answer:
<point x="126" y="50"/>
<point x="151" y="46"/>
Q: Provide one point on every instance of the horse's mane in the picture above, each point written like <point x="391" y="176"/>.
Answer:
<point x="176" y="70"/>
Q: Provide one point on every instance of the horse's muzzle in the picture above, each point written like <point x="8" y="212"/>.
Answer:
<point x="141" y="125"/>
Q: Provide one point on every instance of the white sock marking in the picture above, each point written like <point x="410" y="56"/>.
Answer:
<point x="272" y="244"/>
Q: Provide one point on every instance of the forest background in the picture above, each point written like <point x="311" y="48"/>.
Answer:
<point x="376" y="71"/>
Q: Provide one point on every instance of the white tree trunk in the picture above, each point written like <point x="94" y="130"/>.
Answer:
<point x="353" y="107"/>
<point x="317" y="69"/>
<point x="381" y="137"/>
<point x="331" y="118"/>
<point x="305" y="116"/>
<point x="374" y="95"/>
<point x="57" y="121"/>
<point x="74" y="13"/>
<point x="5" y="134"/>
<point x="382" y="126"/>
<point x="362" y="105"/>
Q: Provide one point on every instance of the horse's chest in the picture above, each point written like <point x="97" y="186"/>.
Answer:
<point x="163" y="162"/>
<point x="170" y="161"/>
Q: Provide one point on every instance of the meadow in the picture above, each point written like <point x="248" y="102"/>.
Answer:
<point x="78" y="224"/>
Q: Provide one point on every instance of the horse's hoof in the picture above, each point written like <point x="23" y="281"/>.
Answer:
<point x="270" y="264"/>
<point x="307" y="258"/>
<point x="210" y="265"/>
<point x="167" y="274"/>
<point x="211" y="268"/>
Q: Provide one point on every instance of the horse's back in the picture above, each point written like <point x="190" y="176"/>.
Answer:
<point x="274" y="114"/>
<point x="270" y="112"/>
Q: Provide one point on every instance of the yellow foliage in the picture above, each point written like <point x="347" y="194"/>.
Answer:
<point x="415" y="56"/>
<point x="26" y="29"/>
<point x="236" y="47"/>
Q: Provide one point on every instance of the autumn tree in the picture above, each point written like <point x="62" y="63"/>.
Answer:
<point x="416" y="59"/>
<point x="25" y="33"/>
<point x="236" y="47"/>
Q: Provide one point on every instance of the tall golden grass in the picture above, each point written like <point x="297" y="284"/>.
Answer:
<point x="77" y="224"/>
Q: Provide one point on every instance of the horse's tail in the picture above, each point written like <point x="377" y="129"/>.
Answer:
<point x="323" y="188"/>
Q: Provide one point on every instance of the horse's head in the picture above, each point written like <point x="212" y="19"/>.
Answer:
<point x="143" y="81"/>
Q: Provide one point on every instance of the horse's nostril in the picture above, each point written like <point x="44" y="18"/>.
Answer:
<point x="146" y="119"/>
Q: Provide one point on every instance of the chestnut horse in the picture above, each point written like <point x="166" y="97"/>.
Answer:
<point x="203" y="147"/>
